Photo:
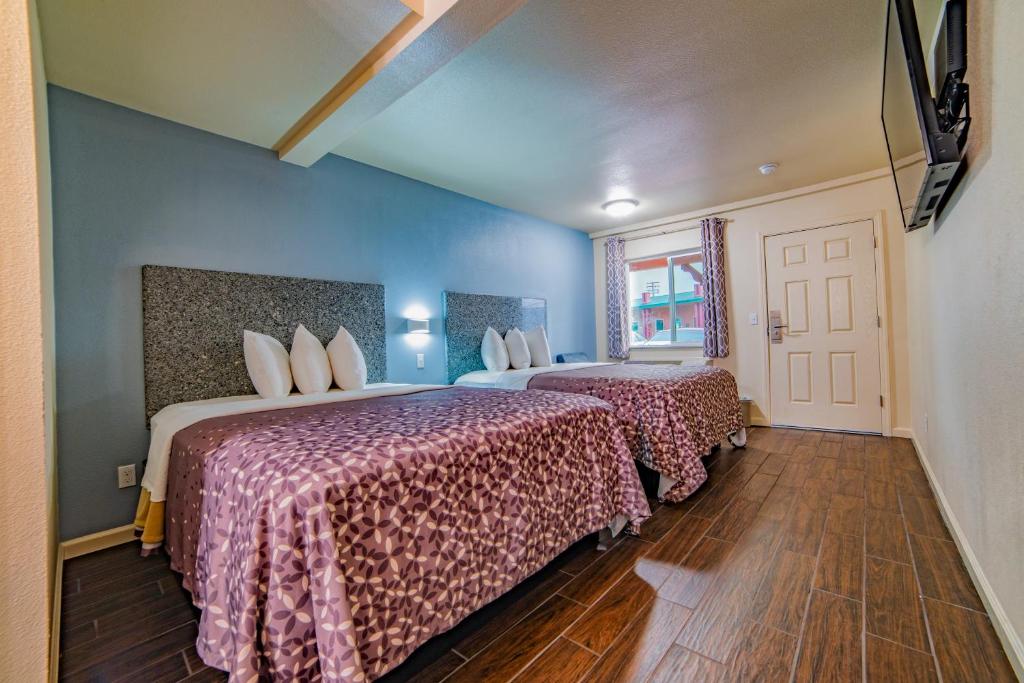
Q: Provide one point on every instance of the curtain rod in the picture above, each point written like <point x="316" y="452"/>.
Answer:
<point x="663" y="232"/>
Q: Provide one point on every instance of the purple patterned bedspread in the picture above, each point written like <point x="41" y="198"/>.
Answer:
<point x="671" y="414"/>
<point x="332" y="540"/>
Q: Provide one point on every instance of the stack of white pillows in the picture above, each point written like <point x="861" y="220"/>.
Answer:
<point x="309" y="366"/>
<point x="517" y="350"/>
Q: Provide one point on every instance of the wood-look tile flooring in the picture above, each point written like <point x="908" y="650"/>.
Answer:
<point x="807" y="556"/>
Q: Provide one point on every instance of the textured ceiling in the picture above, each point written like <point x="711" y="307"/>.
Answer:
<point x="562" y="106"/>
<point x="246" y="69"/>
<point x="567" y="104"/>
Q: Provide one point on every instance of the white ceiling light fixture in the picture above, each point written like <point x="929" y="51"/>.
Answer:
<point x="768" y="169"/>
<point x="618" y="208"/>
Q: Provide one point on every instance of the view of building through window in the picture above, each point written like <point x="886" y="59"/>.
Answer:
<point x="666" y="297"/>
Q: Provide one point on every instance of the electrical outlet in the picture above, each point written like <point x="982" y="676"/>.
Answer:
<point x="125" y="476"/>
<point x="926" y="423"/>
<point x="420" y="360"/>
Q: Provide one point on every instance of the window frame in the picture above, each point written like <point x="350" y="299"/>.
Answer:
<point x="672" y="301"/>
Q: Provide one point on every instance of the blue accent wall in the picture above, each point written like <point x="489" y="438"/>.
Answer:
<point x="132" y="189"/>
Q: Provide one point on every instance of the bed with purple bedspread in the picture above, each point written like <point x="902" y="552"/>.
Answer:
<point x="332" y="540"/>
<point x="672" y="415"/>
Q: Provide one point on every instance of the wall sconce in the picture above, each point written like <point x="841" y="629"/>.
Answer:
<point x="417" y="325"/>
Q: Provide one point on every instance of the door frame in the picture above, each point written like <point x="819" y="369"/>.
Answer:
<point x="877" y="219"/>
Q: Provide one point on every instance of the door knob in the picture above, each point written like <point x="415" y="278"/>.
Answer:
<point x="775" y="326"/>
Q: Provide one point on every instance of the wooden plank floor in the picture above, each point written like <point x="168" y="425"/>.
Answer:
<point x="807" y="556"/>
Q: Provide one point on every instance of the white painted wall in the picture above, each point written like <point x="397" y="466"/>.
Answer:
<point x="857" y="197"/>
<point x="27" y="486"/>
<point x="965" y="295"/>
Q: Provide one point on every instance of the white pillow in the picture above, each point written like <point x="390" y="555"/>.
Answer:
<point x="311" y="369"/>
<point x="540" y="352"/>
<point x="494" y="351"/>
<point x="347" y="362"/>
<point x="267" y="363"/>
<point x="518" y="351"/>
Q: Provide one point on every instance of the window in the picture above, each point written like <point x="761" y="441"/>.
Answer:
<point x="666" y="297"/>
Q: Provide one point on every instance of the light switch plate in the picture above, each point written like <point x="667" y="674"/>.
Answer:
<point x="753" y="318"/>
<point x="420" y="361"/>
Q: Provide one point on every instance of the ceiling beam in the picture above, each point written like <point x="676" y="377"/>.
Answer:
<point x="417" y="47"/>
<point x="417" y="6"/>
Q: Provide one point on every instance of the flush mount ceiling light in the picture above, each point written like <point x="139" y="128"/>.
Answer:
<point x="768" y="169"/>
<point x="620" y="207"/>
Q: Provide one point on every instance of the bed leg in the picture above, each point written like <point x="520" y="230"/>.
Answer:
<point x="604" y="538"/>
<point x="739" y="439"/>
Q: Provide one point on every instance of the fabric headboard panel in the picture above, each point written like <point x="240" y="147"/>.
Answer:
<point x="467" y="317"/>
<point x="192" y="323"/>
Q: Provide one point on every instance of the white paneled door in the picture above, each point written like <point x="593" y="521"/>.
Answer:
<point x="823" y="328"/>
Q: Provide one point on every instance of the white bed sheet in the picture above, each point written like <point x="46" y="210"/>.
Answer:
<point x="172" y="419"/>
<point x="514" y="379"/>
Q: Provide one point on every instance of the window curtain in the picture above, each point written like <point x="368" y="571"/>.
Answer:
<point x="716" y="322"/>
<point x="617" y="297"/>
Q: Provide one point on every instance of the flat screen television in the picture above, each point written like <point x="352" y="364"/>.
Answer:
<point x="924" y="130"/>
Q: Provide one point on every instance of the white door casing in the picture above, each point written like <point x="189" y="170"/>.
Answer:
<point x="825" y="371"/>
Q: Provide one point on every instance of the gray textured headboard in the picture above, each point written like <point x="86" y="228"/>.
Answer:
<point x="467" y="317"/>
<point x="192" y="323"/>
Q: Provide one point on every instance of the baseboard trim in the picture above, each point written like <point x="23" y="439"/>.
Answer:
<point x="902" y="433"/>
<point x="83" y="545"/>
<point x="759" y="422"/>
<point x="1004" y="629"/>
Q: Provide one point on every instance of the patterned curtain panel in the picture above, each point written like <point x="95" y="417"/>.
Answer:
<point x="617" y="297"/>
<point x="716" y="322"/>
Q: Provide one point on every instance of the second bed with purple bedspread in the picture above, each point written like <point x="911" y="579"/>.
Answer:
<point x="334" y="539"/>
<point x="672" y="415"/>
